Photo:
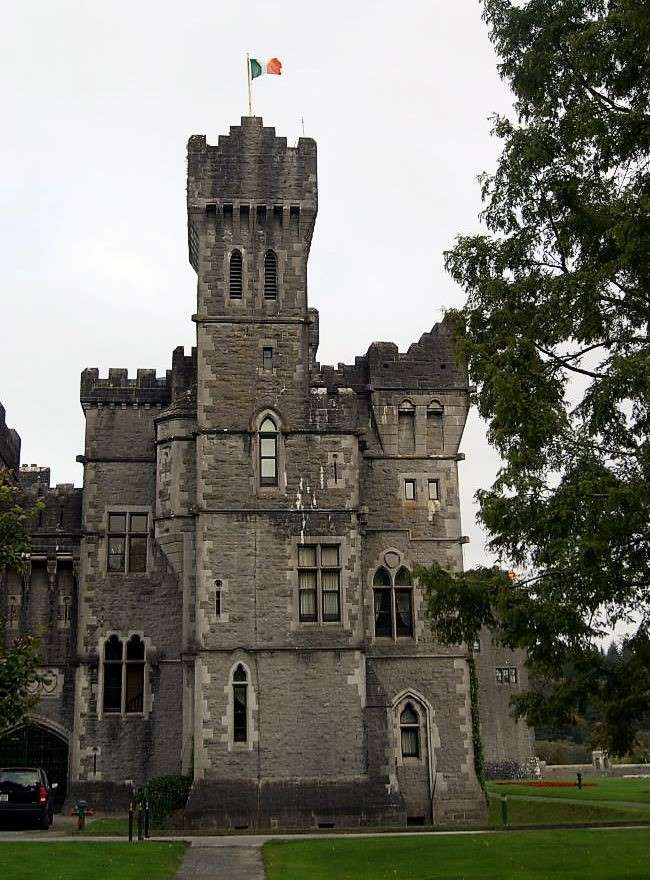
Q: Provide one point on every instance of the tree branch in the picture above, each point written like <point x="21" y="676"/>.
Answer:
<point x="562" y="362"/>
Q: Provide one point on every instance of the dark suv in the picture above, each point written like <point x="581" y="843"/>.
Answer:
<point x="25" y="793"/>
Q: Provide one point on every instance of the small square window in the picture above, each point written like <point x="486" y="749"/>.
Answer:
<point x="217" y="603"/>
<point x="409" y="490"/>
<point x="267" y="358"/>
<point x="433" y="490"/>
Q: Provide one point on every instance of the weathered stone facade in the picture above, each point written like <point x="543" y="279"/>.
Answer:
<point x="287" y="503"/>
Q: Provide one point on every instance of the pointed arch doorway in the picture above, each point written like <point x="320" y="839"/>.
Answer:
<point x="34" y="744"/>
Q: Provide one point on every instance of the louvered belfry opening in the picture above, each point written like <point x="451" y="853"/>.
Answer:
<point x="270" y="275"/>
<point x="235" y="275"/>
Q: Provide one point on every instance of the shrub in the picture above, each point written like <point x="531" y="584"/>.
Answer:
<point x="504" y="770"/>
<point x="166" y="794"/>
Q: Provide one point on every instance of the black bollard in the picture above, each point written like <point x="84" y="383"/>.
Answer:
<point x="140" y="834"/>
<point x="579" y="775"/>
<point x="146" y="820"/>
<point x="130" y="821"/>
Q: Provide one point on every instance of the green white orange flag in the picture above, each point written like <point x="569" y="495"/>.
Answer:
<point x="257" y="67"/>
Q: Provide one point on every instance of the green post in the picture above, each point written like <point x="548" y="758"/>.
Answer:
<point x="504" y="809"/>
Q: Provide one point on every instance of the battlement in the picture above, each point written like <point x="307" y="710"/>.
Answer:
<point x="9" y="444"/>
<point x="429" y="363"/>
<point x="250" y="182"/>
<point x="183" y="371"/>
<point x="117" y="387"/>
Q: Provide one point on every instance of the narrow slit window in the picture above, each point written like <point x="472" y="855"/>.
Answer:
<point x="433" y="490"/>
<point x="240" y="705"/>
<point x="268" y="440"/>
<point x="267" y="358"/>
<point x="410" y="491"/>
<point x="270" y="275"/>
<point x="406" y="428"/>
<point x="236" y="275"/>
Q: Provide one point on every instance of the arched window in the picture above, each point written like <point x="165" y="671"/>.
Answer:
<point x="435" y="427"/>
<point x="124" y="675"/>
<point x="236" y="286"/>
<point x="240" y="705"/>
<point x="113" y="651"/>
<point x="393" y="601"/>
<point x="268" y="441"/>
<point x="134" y="675"/>
<point x="409" y="726"/>
<point x="270" y="275"/>
<point x="406" y="428"/>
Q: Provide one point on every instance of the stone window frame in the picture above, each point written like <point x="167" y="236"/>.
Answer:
<point x="236" y="251"/>
<point x="127" y="509"/>
<point x="262" y="370"/>
<point x="392" y="588"/>
<point x="251" y="706"/>
<point x="429" y="733"/>
<point x="422" y="499"/>
<point x="236" y="301"/>
<point x="271" y="252"/>
<point x="262" y="490"/>
<point x="319" y="568"/>
<point x="436" y="407"/>
<point x="343" y="622"/>
<point x="147" y="697"/>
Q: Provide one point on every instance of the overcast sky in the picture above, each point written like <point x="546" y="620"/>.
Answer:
<point x="98" y="101"/>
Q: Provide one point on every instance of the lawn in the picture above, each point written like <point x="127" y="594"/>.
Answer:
<point x="517" y="855"/>
<point x="88" y="860"/>
<point x="538" y="812"/>
<point x="603" y="789"/>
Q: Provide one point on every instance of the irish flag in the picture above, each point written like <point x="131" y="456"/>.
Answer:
<point x="257" y="67"/>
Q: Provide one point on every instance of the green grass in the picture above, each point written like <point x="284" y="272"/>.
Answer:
<point x="603" y="789"/>
<point x="523" y="855"/>
<point x="90" y="861"/>
<point x="109" y="826"/>
<point x="538" y="812"/>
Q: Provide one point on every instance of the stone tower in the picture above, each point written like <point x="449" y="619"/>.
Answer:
<point x="242" y="558"/>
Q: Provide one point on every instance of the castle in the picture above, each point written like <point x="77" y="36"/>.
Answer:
<point x="232" y="595"/>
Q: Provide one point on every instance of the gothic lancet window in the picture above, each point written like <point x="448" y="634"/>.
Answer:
<point x="270" y="275"/>
<point x="236" y="271"/>
<point x="409" y="725"/>
<point x="240" y="705"/>
<point x="268" y="443"/>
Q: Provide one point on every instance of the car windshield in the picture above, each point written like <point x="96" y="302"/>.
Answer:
<point x="20" y="777"/>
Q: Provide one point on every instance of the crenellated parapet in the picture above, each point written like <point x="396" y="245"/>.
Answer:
<point x="251" y="181"/>
<point x="118" y="388"/>
<point x="430" y="363"/>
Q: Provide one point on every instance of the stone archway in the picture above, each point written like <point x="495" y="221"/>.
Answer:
<point x="35" y="745"/>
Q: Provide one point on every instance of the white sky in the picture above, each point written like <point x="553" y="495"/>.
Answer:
<point x="98" y="100"/>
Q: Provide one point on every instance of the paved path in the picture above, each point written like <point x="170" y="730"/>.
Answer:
<point x="222" y="863"/>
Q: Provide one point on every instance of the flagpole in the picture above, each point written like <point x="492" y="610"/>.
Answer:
<point x="248" y="80"/>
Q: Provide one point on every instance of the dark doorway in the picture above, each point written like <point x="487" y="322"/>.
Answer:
<point x="36" y="746"/>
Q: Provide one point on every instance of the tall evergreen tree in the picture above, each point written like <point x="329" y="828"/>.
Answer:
<point x="555" y="333"/>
